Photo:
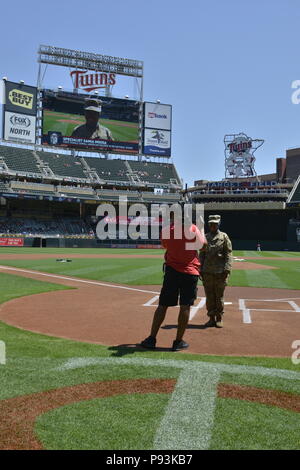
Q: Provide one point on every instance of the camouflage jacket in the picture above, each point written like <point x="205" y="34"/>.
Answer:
<point x="100" y="132"/>
<point x="216" y="255"/>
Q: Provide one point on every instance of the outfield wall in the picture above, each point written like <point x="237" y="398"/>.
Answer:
<point x="266" y="245"/>
<point x="246" y="228"/>
<point x="38" y="242"/>
<point x="238" y="244"/>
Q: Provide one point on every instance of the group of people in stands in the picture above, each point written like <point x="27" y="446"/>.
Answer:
<point x="35" y="227"/>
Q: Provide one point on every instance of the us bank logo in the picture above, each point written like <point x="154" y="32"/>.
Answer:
<point x="157" y="116"/>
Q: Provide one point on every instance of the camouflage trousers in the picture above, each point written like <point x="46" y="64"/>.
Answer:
<point x="214" y="286"/>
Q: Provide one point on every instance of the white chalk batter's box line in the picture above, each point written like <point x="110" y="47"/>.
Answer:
<point x="194" y="309"/>
<point x="246" y="311"/>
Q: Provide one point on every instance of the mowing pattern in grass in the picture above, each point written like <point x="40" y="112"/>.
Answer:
<point x="271" y="383"/>
<point x="243" y="425"/>
<point x="133" y="251"/>
<point x="122" y="422"/>
<point x="137" y="271"/>
<point x="285" y="276"/>
<point x="267" y="254"/>
<point x="82" y="251"/>
<point x="143" y="271"/>
<point x="15" y="286"/>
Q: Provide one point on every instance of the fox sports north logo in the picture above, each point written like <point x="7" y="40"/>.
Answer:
<point x="20" y="121"/>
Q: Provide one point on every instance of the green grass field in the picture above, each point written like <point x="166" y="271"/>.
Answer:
<point x="66" y="123"/>
<point x="38" y="363"/>
<point x="143" y="271"/>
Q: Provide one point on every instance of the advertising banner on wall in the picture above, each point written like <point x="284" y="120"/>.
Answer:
<point x="20" y="98"/>
<point x="19" y="127"/>
<point x="104" y="124"/>
<point x="2" y="101"/>
<point x="157" y="116"/>
<point x="19" y="116"/>
<point x="11" y="241"/>
<point x="157" y="142"/>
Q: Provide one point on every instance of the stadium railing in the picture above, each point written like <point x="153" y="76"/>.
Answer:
<point x="239" y="205"/>
<point x="26" y="186"/>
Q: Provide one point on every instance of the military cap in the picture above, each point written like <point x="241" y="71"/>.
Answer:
<point x="93" y="105"/>
<point x="214" y="219"/>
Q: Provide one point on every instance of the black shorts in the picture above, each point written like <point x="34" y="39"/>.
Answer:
<point x="176" y="285"/>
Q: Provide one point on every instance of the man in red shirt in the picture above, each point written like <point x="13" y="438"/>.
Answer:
<point x="180" y="278"/>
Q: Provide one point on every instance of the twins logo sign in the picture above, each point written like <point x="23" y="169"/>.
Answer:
<point x="239" y="155"/>
<point x="92" y="81"/>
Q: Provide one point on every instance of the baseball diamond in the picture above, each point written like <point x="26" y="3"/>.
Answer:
<point x="139" y="311"/>
<point x="126" y="309"/>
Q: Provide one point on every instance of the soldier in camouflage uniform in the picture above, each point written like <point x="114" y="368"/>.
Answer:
<point x="215" y="259"/>
<point x="92" y="129"/>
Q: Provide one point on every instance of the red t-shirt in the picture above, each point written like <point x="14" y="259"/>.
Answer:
<point x="178" y="254"/>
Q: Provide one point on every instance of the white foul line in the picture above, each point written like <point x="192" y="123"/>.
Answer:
<point x="245" y="310"/>
<point x="294" y="305"/>
<point x="151" y="301"/>
<point x="77" y="280"/>
<point x="195" y="309"/>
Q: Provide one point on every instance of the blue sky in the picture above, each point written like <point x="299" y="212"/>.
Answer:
<point x="225" y="66"/>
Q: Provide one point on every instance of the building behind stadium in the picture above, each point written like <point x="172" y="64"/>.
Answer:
<point x="257" y="210"/>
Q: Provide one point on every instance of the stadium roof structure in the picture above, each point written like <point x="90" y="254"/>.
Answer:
<point x="90" y="61"/>
<point x="294" y="197"/>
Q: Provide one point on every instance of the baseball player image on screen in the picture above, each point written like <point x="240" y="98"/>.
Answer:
<point x="92" y="129"/>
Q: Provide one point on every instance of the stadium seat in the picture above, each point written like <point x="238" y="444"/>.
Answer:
<point x="108" y="170"/>
<point x="63" y="165"/>
<point x="151" y="172"/>
<point x="19" y="159"/>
